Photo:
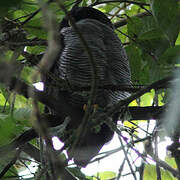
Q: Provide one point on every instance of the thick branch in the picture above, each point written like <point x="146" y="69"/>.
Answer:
<point x="24" y="43"/>
<point x="146" y="113"/>
<point x="116" y="107"/>
<point x="61" y="104"/>
<point x="137" y="113"/>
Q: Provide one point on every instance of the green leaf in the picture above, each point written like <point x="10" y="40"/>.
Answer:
<point x="36" y="49"/>
<point x="133" y="10"/>
<point x="121" y="36"/>
<point x="8" y="130"/>
<point x="171" y="55"/>
<point x="26" y="74"/>
<point x="156" y="70"/>
<point x="147" y="99"/>
<point x="8" y="3"/>
<point x="5" y="159"/>
<point x="171" y="162"/>
<point x="22" y="116"/>
<point x="2" y="100"/>
<point x="77" y="172"/>
<point x="29" y="6"/>
<point x="137" y="65"/>
<point x="150" y="173"/>
<point x="35" y="27"/>
<point x="3" y="116"/>
<point x="178" y="40"/>
<point x="167" y="15"/>
<point x="161" y="98"/>
<point x="147" y="35"/>
<point x="106" y="175"/>
<point x="134" y="26"/>
<point x="22" y="102"/>
<point x="5" y="5"/>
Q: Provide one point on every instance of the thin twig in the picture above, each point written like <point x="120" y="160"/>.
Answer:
<point x="120" y="1"/>
<point x="125" y="20"/>
<point x="121" y="169"/>
<point x="25" y="43"/>
<point x="158" y="171"/>
<point x="126" y="156"/>
<point x="161" y="163"/>
<point x="83" y="126"/>
<point x="31" y="16"/>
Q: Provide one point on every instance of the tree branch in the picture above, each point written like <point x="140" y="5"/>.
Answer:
<point x="124" y="21"/>
<point x="35" y="154"/>
<point x="137" y="113"/>
<point x="26" y="42"/>
<point x="120" y="1"/>
<point x="146" y="113"/>
<point x="115" y="108"/>
<point x="10" y="164"/>
<point x="161" y="163"/>
<point x="61" y="105"/>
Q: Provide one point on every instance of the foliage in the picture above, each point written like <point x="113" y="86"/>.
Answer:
<point x="151" y="170"/>
<point x="149" y="31"/>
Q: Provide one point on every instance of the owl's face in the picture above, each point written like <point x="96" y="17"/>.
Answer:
<point x="80" y="13"/>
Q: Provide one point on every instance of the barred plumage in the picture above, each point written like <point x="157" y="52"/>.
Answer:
<point x="74" y="66"/>
<point x="107" y="51"/>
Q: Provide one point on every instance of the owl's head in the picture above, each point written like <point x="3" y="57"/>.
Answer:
<point x="79" y="13"/>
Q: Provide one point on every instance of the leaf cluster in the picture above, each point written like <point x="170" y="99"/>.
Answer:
<point x="149" y="31"/>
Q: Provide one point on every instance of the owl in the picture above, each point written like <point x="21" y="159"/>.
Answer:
<point x="73" y="66"/>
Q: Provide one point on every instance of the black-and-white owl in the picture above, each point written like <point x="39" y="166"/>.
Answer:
<point x="74" y="67"/>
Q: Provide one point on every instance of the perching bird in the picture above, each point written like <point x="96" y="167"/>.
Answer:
<point x="74" y="66"/>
